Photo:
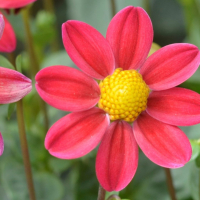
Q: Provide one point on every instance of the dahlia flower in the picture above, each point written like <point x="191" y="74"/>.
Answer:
<point x="134" y="103"/>
<point x="2" y="25"/>
<point x="14" y="4"/>
<point x="8" y="41"/>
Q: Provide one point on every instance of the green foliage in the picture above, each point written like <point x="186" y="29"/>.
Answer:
<point x="56" y="179"/>
<point x="11" y="109"/>
<point x="5" y="63"/>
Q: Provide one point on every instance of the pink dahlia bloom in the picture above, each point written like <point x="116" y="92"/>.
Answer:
<point x="14" y="4"/>
<point x="138" y="95"/>
<point x="1" y="144"/>
<point x="8" y="41"/>
<point x="13" y="86"/>
<point x="2" y="25"/>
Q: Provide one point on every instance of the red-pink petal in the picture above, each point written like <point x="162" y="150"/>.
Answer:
<point x="8" y="41"/>
<point x="76" y="134"/>
<point x="2" y="25"/>
<point x="130" y="35"/>
<point x="9" y="4"/>
<point x="117" y="157"/>
<point x="88" y="49"/>
<point x="176" y="106"/>
<point x="1" y="144"/>
<point x="67" y="89"/>
<point x="163" y="144"/>
<point x="13" y="86"/>
<point x="170" y="66"/>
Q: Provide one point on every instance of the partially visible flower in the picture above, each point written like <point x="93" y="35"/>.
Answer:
<point x="2" y="25"/>
<point x="8" y="41"/>
<point x="14" y="4"/>
<point x="13" y="86"/>
<point x="1" y="144"/>
<point x="132" y="89"/>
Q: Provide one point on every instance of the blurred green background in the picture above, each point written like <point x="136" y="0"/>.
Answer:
<point x="173" y="21"/>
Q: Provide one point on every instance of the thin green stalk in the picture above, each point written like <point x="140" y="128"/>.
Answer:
<point x="24" y="147"/>
<point x="146" y="5"/>
<point x="170" y="184"/>
<point x="101" y="193"/>
<point x="113" y="7"/>
<point x="34" y="62"/>
<point x="11" y="57"/>
<point x="49" y="7"/>
<point x="199" y="184"/>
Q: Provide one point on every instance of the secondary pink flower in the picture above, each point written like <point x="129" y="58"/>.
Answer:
<point x="8" y="41"/>
<point x="14" y="4"/>
<point x="132" y="89"/>
<point x="1" y="144"/>
<point x="2" y="25"/>
<point x="13" y="86"/>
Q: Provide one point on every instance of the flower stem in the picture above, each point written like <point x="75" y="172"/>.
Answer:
<point x="34" y="62"/>
<point x="146" y="5"/>
<point x="11" y="57"/>
<point x="33" y="58"/>
<point x="24" y="147"/>
<point x="113" y="7"/>
<point x="49" y="7"/>
<point x="101" y="193"/>
<point x="170" y="184"/>
<point x="199" y="184"/>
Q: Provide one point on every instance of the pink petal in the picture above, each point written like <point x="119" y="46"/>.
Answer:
<point x="163" y="144"/>
<point x="117" y="157"/>
<point x="2" y="25"/>
<point x="67" y="89"/>
<point x="8" y="4"/>
<point x="88" y="49"/>
<point x="13" y="86"/>
<point x="1" y="144"/>
<point x="170" y="66"/>
<point x="76" y="134"/>
<point x="130" y="35"/>
<point x="176" y="106"/>
<point x="8" y="41"/>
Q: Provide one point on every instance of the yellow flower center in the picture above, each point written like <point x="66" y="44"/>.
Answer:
<point x="123" y="95"/>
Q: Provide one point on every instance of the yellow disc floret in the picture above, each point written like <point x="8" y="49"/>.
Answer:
<point x="123" y="95"/>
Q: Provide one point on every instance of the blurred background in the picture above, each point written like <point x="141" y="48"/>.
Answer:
<point x="174" y="21"/>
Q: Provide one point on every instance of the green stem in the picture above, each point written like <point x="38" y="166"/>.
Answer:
<point x="199" y="184"/>
<point x="34" y="62"/>
<point x="101" y="193"/>
<point x="113" y="7"/>
<point x="170" y="184"/>
<point x="33" y="58"/>
<point x="11" y="57"/>
<point x="24" y="147"/>
<point x="49" y="7"/>
<point x="146" y="5"/>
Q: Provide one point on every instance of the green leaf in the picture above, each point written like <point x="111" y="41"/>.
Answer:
<point x="19" y="63"/>
<point x="11" y="109"/>
<point x="5" y="63"/>
<point x="58" y="58"/>
<point x="48" y="187"/>
<point x="194" y="182"/>
<point x="14" y="181"/>
<point x="59" y="165"/>
<point x="197" y="161"/>
<point x="195" y="149"/>
<point x="114" y="197"/>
